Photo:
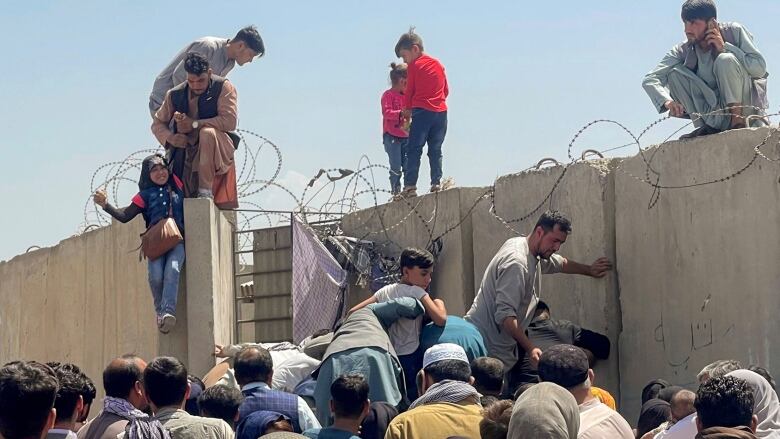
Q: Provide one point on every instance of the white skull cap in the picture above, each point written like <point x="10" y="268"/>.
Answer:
<point x="444" y="351"/>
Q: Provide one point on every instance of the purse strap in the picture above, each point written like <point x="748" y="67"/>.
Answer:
<point x="170" y="202"/>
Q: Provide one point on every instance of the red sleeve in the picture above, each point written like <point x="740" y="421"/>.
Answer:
<point x="138" y="201"/>
<point x="409" y="92"/>
<point x="178" y="182"/>
<point x="446" y="84"/>
<point x="387" y="108"/>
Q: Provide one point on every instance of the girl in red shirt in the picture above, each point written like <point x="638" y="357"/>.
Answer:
<point x="394" y="135"/>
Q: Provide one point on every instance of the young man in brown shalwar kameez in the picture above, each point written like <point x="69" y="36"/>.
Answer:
<point x="193" y="124"/>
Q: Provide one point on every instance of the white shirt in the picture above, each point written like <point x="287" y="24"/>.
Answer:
<point x="598" y="421"/>
<point x="404" y="333"/>
<point x="685" y="428"/>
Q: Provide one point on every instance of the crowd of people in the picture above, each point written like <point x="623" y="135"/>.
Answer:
<point x="397" y="365"/>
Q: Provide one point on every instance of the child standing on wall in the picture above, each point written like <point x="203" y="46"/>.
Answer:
<point x="394" y="136"/>
<point x="425" y="102"/>
<point x="160" y="192"/>
<point x="416" y="270"/>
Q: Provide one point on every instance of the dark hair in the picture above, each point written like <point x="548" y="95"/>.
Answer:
<point x="27" y="394"/>
<point x="724" y="402"/>
<point x="72" y="385"/>
<point x="522" y="389"/>
<point x="699" y="10"/>
<point x="652" y="389"/>
<point x="495" y="420"/>
<point x="542" y="306"/>
<point x="488" y="375"/>
<point x="414" y="257"/>
<point x="408" y="40"/>
<point x="251" y="37"/>
<point x="550" y="218"/>
<point x="764" y="373"/>
<point x="196" y="64"/>
<point x="220" y="402"/>
<point x="349" y="394"/>
<point x="397" y="72"/>
<point x="455" y="370"/>
<point x="165" y="381"/>
<point x="253" y="363"/>
<point x="120" y="378"/>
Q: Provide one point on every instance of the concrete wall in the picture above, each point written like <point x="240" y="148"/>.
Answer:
<point x="87" y="299"/>
<point x="698" y="272"/>
<point x="586" y="195"/>
<point x="411" y="223"/>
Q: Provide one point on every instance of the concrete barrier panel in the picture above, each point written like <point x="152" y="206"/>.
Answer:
<point x="585" y="194"/>
<point x="698" y="271"/>
<point x="412" y="223"/>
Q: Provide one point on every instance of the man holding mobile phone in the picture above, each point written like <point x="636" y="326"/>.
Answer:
<point x="717" y="78"/>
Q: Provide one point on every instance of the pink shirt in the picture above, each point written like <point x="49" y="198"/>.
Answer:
<point x="392" y="105"/>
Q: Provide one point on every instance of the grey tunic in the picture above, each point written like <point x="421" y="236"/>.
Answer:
<point x="510" y="288"/>
<point x="213" y="48"/>
<point x="718" y="80"/>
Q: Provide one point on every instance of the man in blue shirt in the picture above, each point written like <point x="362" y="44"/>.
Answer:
<point x="349" y="404"/>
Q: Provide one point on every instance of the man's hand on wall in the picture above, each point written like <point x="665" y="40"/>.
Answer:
<point x="600" y="268"/>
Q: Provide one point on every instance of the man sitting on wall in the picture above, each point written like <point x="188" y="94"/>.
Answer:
<point x="718" y="70"/>
<point x="193" y="124"/>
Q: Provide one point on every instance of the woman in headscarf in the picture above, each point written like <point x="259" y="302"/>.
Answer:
<point x="654" y="413"/>
<point x="766" y="406"/>
<point x="160" y="196"/>
<point x="651" y="389"/>
<point x="545" y="411"/>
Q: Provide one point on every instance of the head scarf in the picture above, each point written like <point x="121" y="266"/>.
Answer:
<point x="145" y="180"/>
<point x="255" y="424"/>
<point x="146" y="428"/>
<point x="652" y="388"/>
<point x="654" y="413"/>
<point x="603" y="396"/>
<point x="547" y="411"/>
<point x="378" y="419"/>
<point x="766" y="406"/>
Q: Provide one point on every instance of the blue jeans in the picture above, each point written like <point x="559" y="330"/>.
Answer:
<point x="164" y="273"/>
<point x="411" y="364"/>
<point x="431" y="127"/>
<point x="395" y="147"/>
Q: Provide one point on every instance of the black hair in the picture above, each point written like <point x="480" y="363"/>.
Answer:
<point x="349" y="394"/>
<point x="652" y="389"/>
<point x="165" y="381"/>
<point x="251" y="37"/>
<point x="455" y="370"/>
<point x="542" y="306"/>
<point x="27" y="394"/>
<point x="397" y="72"/>
<point x="119" y="379"/>
<point x="724" y="402"/>
<point x="196" y="64"/>
<point x="72" y="384"/>
<point x="414" y="257"/>
<point x="488" y="375"/>
<point x="764" y="373"/>
<point x="408" y="40"/>
<point x="522" y="389"/>
<point x="221" y="402"/>
<point x="253" y="363"/>
<point x="699" y="10"/>
<point x="550" y="219"/>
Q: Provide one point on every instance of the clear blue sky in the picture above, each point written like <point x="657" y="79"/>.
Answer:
<point x="524" y="77"/>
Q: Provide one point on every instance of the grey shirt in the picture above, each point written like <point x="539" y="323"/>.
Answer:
<point x="183" y="425"/>
<point x="510" y="288"/>
<point x="213" y="48"/>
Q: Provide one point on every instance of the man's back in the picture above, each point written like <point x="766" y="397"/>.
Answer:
<point x="105" y="426"/>
<point x="182" y="425"/>
<point x="599" y="421"/>
<point x="437" y="420"/>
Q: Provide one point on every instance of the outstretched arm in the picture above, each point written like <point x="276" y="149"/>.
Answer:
<point x="598" y="269"/>
<point x="362" y="304"/>
<point x="435" y="309"/>
<point x="511" y="326"/>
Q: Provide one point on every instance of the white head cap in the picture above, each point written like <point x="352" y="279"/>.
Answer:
<point x="444" y="351"/>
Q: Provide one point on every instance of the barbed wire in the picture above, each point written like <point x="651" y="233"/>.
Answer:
<point x="323" y="198"/>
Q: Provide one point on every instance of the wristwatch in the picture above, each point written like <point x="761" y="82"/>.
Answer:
<point x="194" y="124"/>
